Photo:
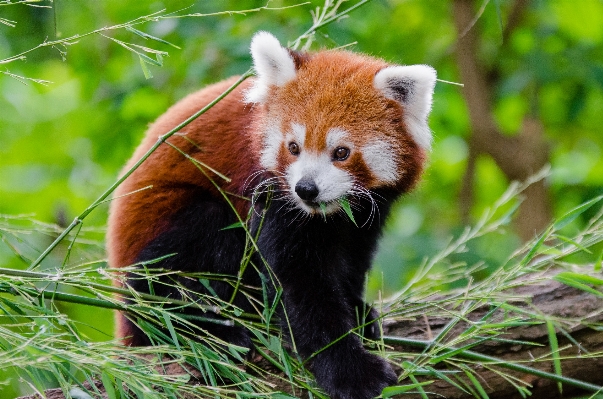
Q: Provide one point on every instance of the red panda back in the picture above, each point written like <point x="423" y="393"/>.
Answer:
<point x="219" y="138"/>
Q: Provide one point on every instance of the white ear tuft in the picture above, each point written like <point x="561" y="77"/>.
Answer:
<point x="273" y="65"/>
<point x="412" y="86"/>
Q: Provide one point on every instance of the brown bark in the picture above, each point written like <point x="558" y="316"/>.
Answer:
<point x="549" y="299"/>
<point x="518" y="156"/>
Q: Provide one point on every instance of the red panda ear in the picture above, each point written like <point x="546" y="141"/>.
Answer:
<point x="412" y="86"/>
<point x="273" y="64"/>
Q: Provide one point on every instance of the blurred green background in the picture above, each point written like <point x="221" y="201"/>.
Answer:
<point x="539" y="69"/>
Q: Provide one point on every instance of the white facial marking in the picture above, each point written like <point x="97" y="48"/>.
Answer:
<point x="380" y="158"/>
<point x="333" y="183"/>
<point x="273" y="64"/>
<point x="412" y="86"/>
<point x="273" y="140"/>
<point x="298" y="134"/>
<point x="337" y="137"/>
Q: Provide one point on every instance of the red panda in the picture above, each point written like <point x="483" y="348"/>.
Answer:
<point x="310" y="132"/>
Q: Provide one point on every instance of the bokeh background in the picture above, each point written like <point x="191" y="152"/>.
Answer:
<point x="533" y="76"/>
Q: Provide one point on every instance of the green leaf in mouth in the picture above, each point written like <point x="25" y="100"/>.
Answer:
<point x="347" y="209"/>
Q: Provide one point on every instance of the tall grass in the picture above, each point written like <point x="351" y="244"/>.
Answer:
<point x="39" y="340"/>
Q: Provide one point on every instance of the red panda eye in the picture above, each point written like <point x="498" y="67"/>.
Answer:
<point x="294" y="148"/>
<point x="341" y="154"/>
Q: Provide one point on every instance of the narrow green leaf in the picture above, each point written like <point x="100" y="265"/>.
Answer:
<point x="533" y="251"/>
<point x="168" y="323"/>
<point x="581" y="278"/>
<point x="555" y="352"/>
<point x="398" y="389"/>
<point x="449" y="353"/>
<point x="441" y="374"/>
<point x="147" y="36"/>
<point x="109" y="384"/>
<point x="145" y="68"/>
<point x="476" y="384"/>
<point x="574" y="213"/>
<point x="570" y="281"/>
<point x="419" y="387"/>
<point x="574" y="243"/>
<point x="599" y="262"/>
<point x="233" y="226"/>
<point x="323" y="209"/>
<point x="345" y="205"/>
<point x="207" y="286"/>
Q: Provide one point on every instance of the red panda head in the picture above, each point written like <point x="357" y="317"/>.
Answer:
<point x="338" y="124"/>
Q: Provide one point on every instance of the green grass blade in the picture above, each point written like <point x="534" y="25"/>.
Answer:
<point x="476" y="383"/>
<point x="145" y="68"/>
<point x="555" y="352"/>
<point x="398" y="389"/>
<point x="571" y="279"/>
<point x="323" y="210"/>
<point x="235" y="225"/>
<point x="442" y="376"/>
<point x="345" y="205"/>
<point x="168" y="323"/>
<point x="419" y="386"/>
<point x="574" y="213"/>
<point x="151" y="37"/>
<point x="109" y="385"/>
<point x="599" y="262"/>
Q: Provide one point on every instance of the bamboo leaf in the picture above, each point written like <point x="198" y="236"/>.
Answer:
<point x="109" y="384"/>
<point x="323" y="209"/>
<point x="599" y="262"/>
<point x="574" y="243"/>
<point x="345" y="205"/>
<point x="581" y="278"/>
<point x="441" y="374"/>
<point x="236" y="225"/>
<point x="168" y="323"/>
<point x="555" y="352"/>
<point x="398" y="389"/>
<point x="145" y="68"/>
<point x="419" y="387"/>
<point x="574" y="213"/>
<point x="476" y="384"/>
<point x="147" y="36"/>
<point x="572" y="280"/>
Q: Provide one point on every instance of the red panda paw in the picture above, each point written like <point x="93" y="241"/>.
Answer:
<point x="364" y="377"/>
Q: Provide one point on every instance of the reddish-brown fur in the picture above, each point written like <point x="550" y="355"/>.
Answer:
<point x="319" y="107"/>
<point x="228" y="139"/>
<point x="219" y="138"/>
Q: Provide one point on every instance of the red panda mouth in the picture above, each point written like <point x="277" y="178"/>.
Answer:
<point x="319" y="208"/>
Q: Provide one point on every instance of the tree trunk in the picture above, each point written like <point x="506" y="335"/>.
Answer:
<point x="518" y="156"/>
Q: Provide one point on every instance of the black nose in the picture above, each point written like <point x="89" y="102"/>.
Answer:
<point x="306" y="189"/>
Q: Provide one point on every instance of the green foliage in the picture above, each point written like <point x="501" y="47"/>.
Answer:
<point x="75" y="108"/>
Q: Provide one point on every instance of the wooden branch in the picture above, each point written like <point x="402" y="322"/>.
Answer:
<point x="551" y="299"/>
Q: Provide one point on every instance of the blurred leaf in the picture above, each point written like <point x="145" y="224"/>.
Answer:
<point x="574" y="213"/>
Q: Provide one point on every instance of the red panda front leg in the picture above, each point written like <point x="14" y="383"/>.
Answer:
<point x="198" y="243"/>
<point x="315" y="265"/>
